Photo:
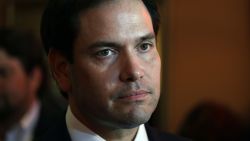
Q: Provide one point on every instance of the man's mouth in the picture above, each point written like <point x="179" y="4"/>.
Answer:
<point x="137" y="95"/>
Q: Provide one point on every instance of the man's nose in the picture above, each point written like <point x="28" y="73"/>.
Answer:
<point x="132" y="69"/>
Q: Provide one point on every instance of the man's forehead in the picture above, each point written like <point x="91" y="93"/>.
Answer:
<point x="115" y="14"/>
<point x="125" y="23"/>
<point x="108" y="6"/>
<point x="99" y="3"/>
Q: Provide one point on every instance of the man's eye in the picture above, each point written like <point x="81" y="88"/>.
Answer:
<point x="145" y="47"/>
<point x="105" y="53"/>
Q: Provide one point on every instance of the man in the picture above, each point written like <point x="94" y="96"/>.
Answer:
<point x="26" y="109"/>
<point x="103" y="56"/>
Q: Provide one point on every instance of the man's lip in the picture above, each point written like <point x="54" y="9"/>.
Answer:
<point x="134" y="95"/>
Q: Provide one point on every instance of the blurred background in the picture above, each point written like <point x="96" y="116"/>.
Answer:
<point x="205" y="49"/>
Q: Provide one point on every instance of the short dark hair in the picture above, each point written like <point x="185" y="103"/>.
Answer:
<point x="25" y="47"/>
<point x="60" y="22"/>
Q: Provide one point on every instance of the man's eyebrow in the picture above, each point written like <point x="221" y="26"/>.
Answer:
<point x="148" y="36"/>
<point x="99" y="44"/>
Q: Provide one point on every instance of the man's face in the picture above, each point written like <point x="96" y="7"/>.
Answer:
<point x="14" y="87"/>
<point x="115" y="77"/>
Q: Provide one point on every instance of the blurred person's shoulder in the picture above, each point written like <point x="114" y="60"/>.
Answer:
<point x="52" y="109"/>
<point x="58" y="132"/>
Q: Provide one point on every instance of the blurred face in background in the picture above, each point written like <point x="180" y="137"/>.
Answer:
<point x="15" y="87"/>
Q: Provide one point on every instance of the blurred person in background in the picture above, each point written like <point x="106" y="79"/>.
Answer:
<point x="27" y="107"/>
<point x="247" y="130"/>
<point x="212" y="121"/>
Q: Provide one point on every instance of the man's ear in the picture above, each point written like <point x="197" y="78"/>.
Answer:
<point x="60" y="68"/>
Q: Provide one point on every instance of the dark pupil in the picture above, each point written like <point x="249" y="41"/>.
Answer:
<point x="144" y="46"/>
<point x="104" y="52"/>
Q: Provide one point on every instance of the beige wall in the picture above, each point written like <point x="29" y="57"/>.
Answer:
<point x="207" y="55"/>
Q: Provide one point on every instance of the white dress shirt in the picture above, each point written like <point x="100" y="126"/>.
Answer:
<point x="23" y="131"/>
<point x="79" y="132"/>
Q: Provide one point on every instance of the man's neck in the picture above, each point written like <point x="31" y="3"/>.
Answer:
<point x="107" y="132"/>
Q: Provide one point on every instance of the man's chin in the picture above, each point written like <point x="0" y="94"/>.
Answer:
<point x="133" y="120"/>
<point x="132" y="124"/>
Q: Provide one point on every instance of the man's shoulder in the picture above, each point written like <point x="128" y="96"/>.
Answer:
<point x="59" y="132"/>
<point x="156" y="135"/>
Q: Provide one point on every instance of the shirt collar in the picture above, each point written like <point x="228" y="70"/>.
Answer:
<point x="141" y="134"/>
<point x="79" y="132"/>
<point x="30" y="118"/>
<point x="23" y="130"/>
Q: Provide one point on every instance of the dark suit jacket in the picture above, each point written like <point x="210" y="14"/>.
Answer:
<point x="51" y="110"/>
<point x="60" y="133"/>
